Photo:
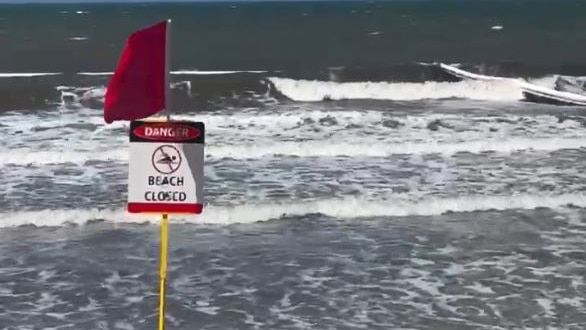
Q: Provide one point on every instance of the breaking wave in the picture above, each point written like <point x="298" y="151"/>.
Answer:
<point x="307" y="149"/>
<point x="319" y="149"/>
<point x="26" y="157"/>
<point x="211" y="90"/>
<point x="313" y="90"/>
<point x="345" y="208"/>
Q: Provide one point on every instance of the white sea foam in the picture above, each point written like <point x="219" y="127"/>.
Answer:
<point x="306" y="149"/>
<point x="52" y="218"/>
<point x="343" y="208"/>
<point x="312" y="90"/>
<point x="105" y="73"/>
<point x="28" y="157"/>
<point x="482" y="289"/>
<point x="27" y="74"/>
<point x="394" y="206"/>
<point x="183" y="72"/>
<point x="320" y="149"/>
<point x="547" y="305"/>
<point x="216" y="72"/>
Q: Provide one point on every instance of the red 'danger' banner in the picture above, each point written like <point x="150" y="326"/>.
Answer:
<point x="137" y="89"/>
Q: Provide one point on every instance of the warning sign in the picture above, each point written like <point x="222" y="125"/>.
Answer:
<point x="166" y="167"/>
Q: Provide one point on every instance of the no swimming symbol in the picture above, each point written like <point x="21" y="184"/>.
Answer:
<point x="166" y="159"/>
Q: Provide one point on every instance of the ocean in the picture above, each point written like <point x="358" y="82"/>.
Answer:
<point x="349" y="182"/>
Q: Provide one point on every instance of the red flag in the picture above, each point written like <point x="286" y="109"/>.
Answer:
<point x="137" y="89"/>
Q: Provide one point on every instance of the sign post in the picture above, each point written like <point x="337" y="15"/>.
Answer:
<point x="165" y="176"/>
<point x="163" y="270"/>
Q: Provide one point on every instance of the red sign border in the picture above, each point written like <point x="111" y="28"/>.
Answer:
<point x="134" y="207"/>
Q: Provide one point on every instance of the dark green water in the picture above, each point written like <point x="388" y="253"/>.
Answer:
<point x="537" y="35"/>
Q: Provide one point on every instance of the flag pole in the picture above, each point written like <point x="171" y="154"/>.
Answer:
<point x="168" y="70"/>
<point x="163" y="269"/>
<point x="165" y="219"/>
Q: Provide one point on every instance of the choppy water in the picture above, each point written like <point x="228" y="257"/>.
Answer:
<point x="363" y="197"/>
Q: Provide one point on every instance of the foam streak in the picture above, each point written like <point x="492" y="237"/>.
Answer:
<point x="346" y="208"/>
<point x="308" y="149"/>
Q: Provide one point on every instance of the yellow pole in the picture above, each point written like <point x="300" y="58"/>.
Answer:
<point x="163" y="269"/>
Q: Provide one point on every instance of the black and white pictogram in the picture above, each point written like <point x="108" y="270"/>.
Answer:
<point x="166" y="159"/>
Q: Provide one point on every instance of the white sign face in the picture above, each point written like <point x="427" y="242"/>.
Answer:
<point x="166" y="167"/>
